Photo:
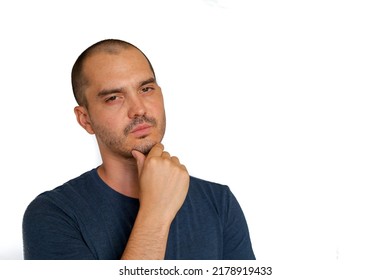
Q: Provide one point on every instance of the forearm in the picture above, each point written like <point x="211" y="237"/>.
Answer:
<point x="164" y="184"/>
<point x="148" y="239"/>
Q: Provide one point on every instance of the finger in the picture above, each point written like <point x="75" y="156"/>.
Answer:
<point x="182" y="166"/>
<point x="166" y="155"/>
<point x="140" y="159"/>
<point x="157" y="150"/>
<point x="175" y="160"/>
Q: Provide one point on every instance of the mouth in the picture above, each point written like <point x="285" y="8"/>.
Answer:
<point x="141" y="130"/>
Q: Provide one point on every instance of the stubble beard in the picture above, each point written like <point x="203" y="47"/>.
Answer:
<point x="118" y="143"/>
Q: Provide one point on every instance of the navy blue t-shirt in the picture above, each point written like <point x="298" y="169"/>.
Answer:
<point x="86" y="219"/>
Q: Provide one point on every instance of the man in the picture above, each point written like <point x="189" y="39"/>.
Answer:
<point x="140" y="203"/>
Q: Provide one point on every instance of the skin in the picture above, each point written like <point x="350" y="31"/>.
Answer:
<point x="126" y="113"/>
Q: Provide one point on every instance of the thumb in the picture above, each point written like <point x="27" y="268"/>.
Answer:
<point x="140" y="159"/>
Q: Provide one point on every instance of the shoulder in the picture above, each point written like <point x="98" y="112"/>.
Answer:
<point x="206" y="192"/>
<point x="208" y="188"/>
<point x="76" y="185"/>
<point x="207" y="185"/>
<point x="62" y="209"/>
<point x="64" y="197"/>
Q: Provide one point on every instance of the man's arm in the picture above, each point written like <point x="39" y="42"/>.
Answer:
<point x="237" y="241"/>
<point x="49" y="233"/>
<point x="164" y="185"/>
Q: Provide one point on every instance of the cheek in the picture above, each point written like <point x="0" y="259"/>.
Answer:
<point x="160" y="115"/>
<point x="160" y="109"/>
<point x="105" y="124"/>
<point x="107" y="118"/>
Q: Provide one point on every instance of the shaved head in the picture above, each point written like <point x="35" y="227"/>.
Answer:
<point x="79" y="79"/>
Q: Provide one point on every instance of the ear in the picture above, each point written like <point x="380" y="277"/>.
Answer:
<point x="83" y="118"/>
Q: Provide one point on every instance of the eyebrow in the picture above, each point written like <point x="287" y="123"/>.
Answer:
<point x="148" y="81"/>
<point x="105" y="92"/>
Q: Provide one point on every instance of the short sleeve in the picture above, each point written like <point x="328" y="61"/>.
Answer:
<point x="237" y="242"/>
<point x="49" y="233"/>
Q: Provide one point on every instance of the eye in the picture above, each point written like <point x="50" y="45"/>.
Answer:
<point x="111" y="98"/>
<point x="146" y="89"/>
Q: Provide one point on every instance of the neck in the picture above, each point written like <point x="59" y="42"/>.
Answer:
<point x="121" y="175"/>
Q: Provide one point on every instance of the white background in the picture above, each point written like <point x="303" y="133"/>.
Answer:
<point x="287" y="102"/>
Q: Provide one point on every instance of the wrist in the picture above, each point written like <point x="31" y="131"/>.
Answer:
<point x="154" y="220"/>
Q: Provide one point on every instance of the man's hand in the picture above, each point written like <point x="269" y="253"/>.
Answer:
<point x="163" y="182"/>
<point x="163" y="187"/>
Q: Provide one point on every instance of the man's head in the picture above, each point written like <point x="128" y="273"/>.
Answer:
<point x="119" y="98"/>
<point x="79" y="80"/>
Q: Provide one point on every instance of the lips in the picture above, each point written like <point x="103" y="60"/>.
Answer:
<point x="141" y="130"/>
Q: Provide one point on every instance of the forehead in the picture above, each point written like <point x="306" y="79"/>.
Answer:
<point x="104" y="63"/>
<point x="123" y="69"/>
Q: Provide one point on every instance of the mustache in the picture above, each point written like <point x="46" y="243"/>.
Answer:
<point x="139" y="120"/>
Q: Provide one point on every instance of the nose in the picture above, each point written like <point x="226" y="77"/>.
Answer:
<point x="136" y="106"/>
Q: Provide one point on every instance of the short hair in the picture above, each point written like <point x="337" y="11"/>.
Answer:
<point x="79" y="80"/>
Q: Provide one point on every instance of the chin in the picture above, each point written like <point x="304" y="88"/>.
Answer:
<point x="145" y="147"/>
<point x="146" y="143"/>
